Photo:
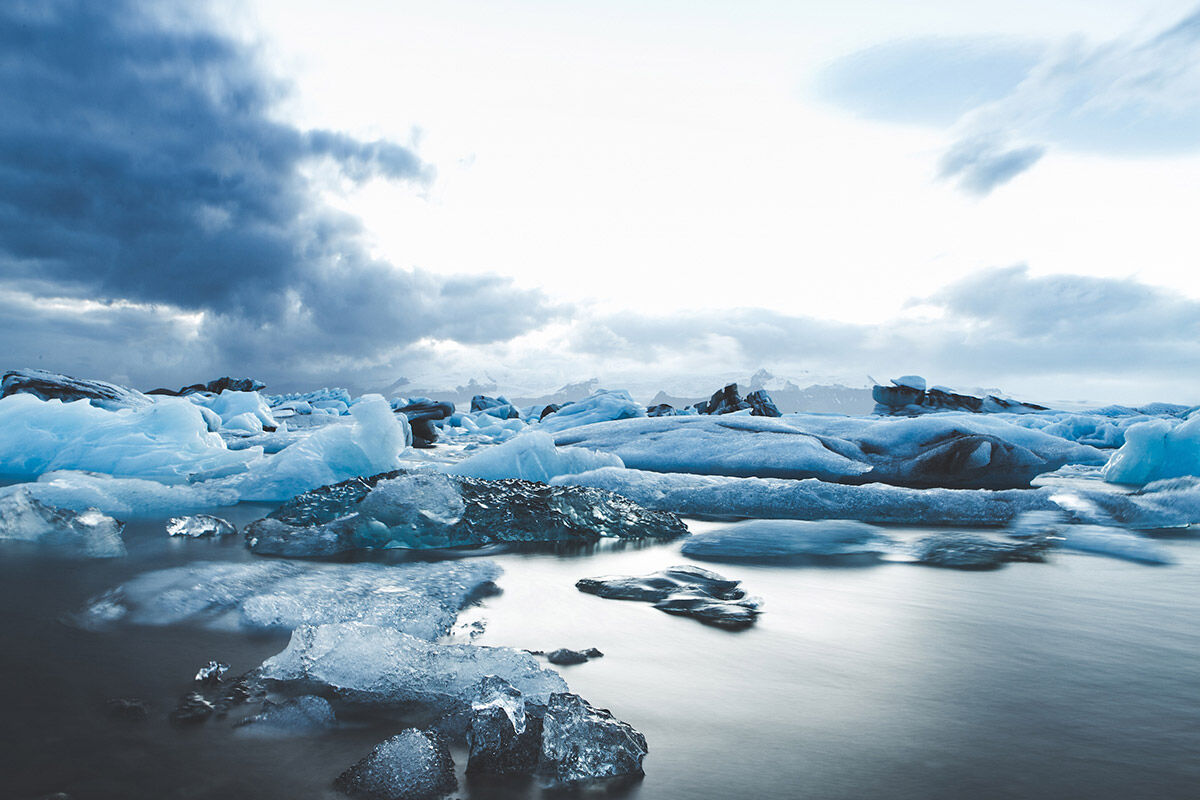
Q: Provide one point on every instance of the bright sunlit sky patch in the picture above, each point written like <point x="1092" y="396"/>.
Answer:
<point x="665" y="156"/>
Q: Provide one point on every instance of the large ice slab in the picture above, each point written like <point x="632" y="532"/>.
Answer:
<point x="830" y="541"/>
<point x="384" y="666"/>
<point x="167" y="441"/>
<point x="600" y="407"/>
<point x="52" y="386"/>
<point x="1169" y="504"/>
<point x="930" y="451"/>
<point x="532" y="456"/>
<point x="87" y="535"/>
<point x="125" y="498"/>
<point x="427" y="509"/>
<point x="1155" y="450"/>
<point x="421" y="599"/>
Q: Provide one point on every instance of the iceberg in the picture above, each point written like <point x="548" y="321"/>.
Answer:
<point x="420" y="599"/>
<point x="127" y="498"/>
<point x="427" y="509"/>
<point x="1156" y="450"/>
<point x="977" y="551"/>
<point x="412" y="765"/>
<point x="1113" y="542"/>
<point x="248" y="410"/>
<point x="823" y="542"/>
<point x="599" y="407"/>
<point x="532" y="456"/>
<point x="908" y="395"/>
<point x="502" y="739"/>
<point x="87" y="535"/>
<point x="166" y="441"/>
<point x="296" y="716"/>
<point x="51" y="386"/>
<point x="385" y="666"/>
<point x="683" y="590"/>
<point x="920" y="452"/>
<point x="1168" y="504"/>
<point x="582" y="743"/>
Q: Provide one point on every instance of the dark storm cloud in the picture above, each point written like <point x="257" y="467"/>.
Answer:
<point x="140" y="161"/>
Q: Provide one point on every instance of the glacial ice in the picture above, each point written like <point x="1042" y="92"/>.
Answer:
<point x="370" y="445"/>
<point x="199" y="525"/>
<point x="295" y="716"/>
<point x="581" y="743"/>
<point x="602" y="406"/>
<point x="126" y="498"/>
<point x="421" y="599"/>
<point x="384" y="666"/>
<point x="931" y="451"/>
<point x="52" y="386"/>
<point x="1156" y="450"/>
<point x="683" y="590"/>
<point x="90" y="534"/>
<point x="532" y="456"/>
<point x="829" y="541"/>
<point x="1113" y="542"/>
<point x="502" y="739"/>
<point x="1170" y="504"/>
<point x="232" y="406"/>
<point x="421" y="510"/>
<point x="166" y="441"/>
<point x="958" y="550"/>
<point x="412" y="765"/>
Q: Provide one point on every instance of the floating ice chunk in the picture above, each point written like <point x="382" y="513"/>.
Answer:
<point x="296" y="716"/>
<point x="787" y="540"/>
<point x="911" y="381"/>
<point x="684" y="590"/>
<point x="52" y="386"/>
<point x="233" y="408"/>
<point x="89" y="534"/>
<point x="421" y="510"/>
<point x="1114" y="542"/>
<point x="382" y="665"/>
<point x="412" y="765"/>
<point x="952" y="451"/>
<point x="532" y="456"/>
<point x="501" y="738"/>
<point x="167" y="441"/>
<point x="581" y="743"/>
<point x="421" y="599"/>
<point x="600" y="407"/>
<point x="127" y="498"/>
<point x="1155" y="450"/>
<point x="200" y="525"/>
<point x="372" y="444"/>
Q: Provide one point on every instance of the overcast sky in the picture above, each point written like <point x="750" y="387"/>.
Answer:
<point x="658" y="194"/>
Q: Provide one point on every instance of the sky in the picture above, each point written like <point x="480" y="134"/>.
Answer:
<point x="657" y="194"/>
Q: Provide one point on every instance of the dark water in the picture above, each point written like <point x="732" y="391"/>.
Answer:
<point x="1077" y="678"/>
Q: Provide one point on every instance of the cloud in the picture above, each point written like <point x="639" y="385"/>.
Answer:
<point x="1134" y="95"/>
<point x="142" y="165"/>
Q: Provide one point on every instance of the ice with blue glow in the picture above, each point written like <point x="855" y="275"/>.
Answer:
<point x="602" y="406"/>
<point x="1156" y="450"/>
<point x="532" y="456"/>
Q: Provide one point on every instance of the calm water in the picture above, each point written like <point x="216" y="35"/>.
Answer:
<point x="1077" y="678"/>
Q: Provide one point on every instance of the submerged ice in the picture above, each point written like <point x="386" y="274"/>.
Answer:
<point x="89" y="534"/>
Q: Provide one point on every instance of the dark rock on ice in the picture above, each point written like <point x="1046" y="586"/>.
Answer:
<point x="762" y="404"/>
<point x="496" y="406"/>
<point x="552" y="408"/>
<point x="199" y="525"/>
<point x="211" y="673"/>
<point x="661" y="410"/>
<point x="725" y="401"/>
<point x="421" y="414"/>
<point x="131" y="709"/>
<point x="684" y="590"/>
<point x="412" y="765"/>
<point x="821" y="543"/>
<point x="52" y="386"/>
<point x="581" y="743"/>
<point x="423" y="510"/>
<point x="225" y="384"/>
<point x="908" y="395"/>
<point x="502" y="738"/>
<point x="296" y="716"/>
<point x="564" y="657"/>
<point x="978" y="551"/>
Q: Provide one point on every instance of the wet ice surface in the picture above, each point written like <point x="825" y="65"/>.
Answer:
<point x="1076" y="677"/>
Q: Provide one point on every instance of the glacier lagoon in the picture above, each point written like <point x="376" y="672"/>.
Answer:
<point x="860" y="677"/>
